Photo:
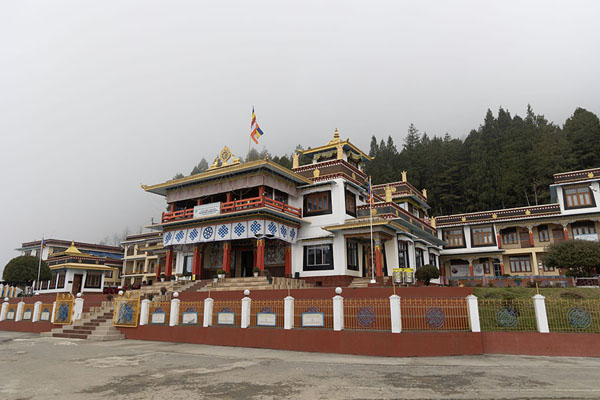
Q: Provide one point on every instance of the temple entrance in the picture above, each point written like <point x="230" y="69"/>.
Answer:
<point x="77" y="278"/>
<point x="247" y="262"/>
<point x="367" y="261"/>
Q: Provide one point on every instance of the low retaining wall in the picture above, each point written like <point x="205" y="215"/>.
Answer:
<point x="322" y="341"/>
<point x="25" y="326"/>
<point x="542" y="344"/>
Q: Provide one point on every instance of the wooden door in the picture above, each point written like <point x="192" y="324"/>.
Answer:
<point x="76" y="284"/>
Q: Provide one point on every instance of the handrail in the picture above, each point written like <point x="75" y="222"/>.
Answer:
<point x="237" y="205"/>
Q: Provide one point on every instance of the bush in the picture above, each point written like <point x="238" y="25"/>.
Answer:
<point x="491" y="284"/>
<point x="220" y="272"/>
<point x="426" y="273"/>
<point x="23" y="270"/>
<point x="571" y="295"/>
<point x="580" y="257"/>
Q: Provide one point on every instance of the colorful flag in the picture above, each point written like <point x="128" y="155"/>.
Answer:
<point x="371" y="200"/>
<point x="255" y="131"/>
<point x="43" y="243"/>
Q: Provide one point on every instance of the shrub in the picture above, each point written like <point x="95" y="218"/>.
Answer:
<point x="426" y="273"/>
<point x="491" y="284"/>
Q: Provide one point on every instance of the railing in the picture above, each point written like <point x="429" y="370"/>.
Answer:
<point x="367" y="314"/>
<point x="576" y="315"/>
<point x="272" y="308"/>
<point x="310" y="306"/>
<point x="160" y="307"/>
<point x="237" y="205"/>
<point x="507" y="315"/>
<point x="191" y="312"/>
<point x="434" y="314"/>
<point x="232" y="308"/>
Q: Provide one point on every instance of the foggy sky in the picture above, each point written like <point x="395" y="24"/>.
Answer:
<point x="98" y="97"/>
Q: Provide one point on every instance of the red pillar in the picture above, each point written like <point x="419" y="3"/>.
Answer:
<point x="288" y="260"/>
<point x="378" y="260"/>
<point x="261" y="191"/>
<point x="157" y="269"/>
<point x="502" y="268"/>
<point x="227" y="257"/>
<point x="531" y="238"/>
<point x="197" y="263"/>
<point x="471" y="268"/>
<point x="565" y="233"/>
<point x="228" y="195"/>
<point x="499" y="240"/>
<point x="260" y="254"/>
<point x="169" y="263"/>
<point x="443" y="273"/>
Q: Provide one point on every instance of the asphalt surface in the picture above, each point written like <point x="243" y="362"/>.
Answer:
<point x="32" y="367"/>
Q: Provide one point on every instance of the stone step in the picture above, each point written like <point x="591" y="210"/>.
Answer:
<point x="70" y="335"/>
<point x="104" y="338"/>
<point x="78" y="331"/>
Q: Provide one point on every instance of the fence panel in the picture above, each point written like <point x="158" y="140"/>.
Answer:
<point x="367" y="314"/>
<point x="434" y="314"/>
<point x="318" y="313"/>
<point x="227" y="313"/>
<point x="507" y="315"/>
<point x="267" y="313"/>
<point x="11" y="312"/>
<point x="573" y="315"/>
<point x="64" y="308"/>
<point x="28" y="312"/>
<point x="159" y="312"/>
<point x="46" y="312"/>
<point x="191" y="312"/>
<point x="127" y="310"/>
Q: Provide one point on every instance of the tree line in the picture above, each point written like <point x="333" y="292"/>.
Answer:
<point x="508" y="161"/>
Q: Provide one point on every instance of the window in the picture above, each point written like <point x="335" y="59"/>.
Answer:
<point x="558" y="235"/>
<point x="419" y="258"/>
<point x="433" y="259"/>
<point x="520" y="264"/>
<point x="454" y="238"/>
<point x="525" y="239"/>
<point x="108" y="274"/>
<point x="576" y="197"/>
<point x="545" y="267"/>
<point x="543" y="234"/>
<point x="483" y="236"/>
<point x="188" y="262"/>
<point x="93" y="280"/>
<point x="350" y="203"/>
<point x="317" y="203"/>
<point x="486" y="265"/>
<point x="281" y="197"/>
<point x="583" y="228"/>
<point x="352" y="255"/>
<point x="61" y="280"/>
<point x="403" y="260"/>
<point x="318" y="257"/>
<point x="509" y="236"/>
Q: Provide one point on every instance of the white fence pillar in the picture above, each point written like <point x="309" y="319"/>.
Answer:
<point x="338" y="310"/>
<point x="37" y="309"/>
<point x="541" y="318"/>
<point x="395" y="313"/>
<point x="144" y="309"/>
<point x="174" y="317"/>
<point x="78" y="307"/>
<point x="20" y="308"/>
<point x="473" y="310"/>
<point x="208" y="312"/>
<point x="4" y="309"/>
<point x="288" y="312"/>
<point x="246" y="302"/>
<point x="53" y="311"/>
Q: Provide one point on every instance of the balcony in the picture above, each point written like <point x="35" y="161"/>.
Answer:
<point x="237" y="205"/>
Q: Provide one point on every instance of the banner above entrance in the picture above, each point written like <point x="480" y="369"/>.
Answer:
<point x="253" y="229"/>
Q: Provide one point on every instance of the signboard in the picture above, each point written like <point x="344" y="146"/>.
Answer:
<point x="189" y="318"/>
<point x="27" y="314"/>
<point x="592" y="237"/>
<point x="158" y="317"/>
<point x="10" y="314"/>
<point x="226" y="318"/>
<point x="266" y="319"/>
<point x="45" y="315"/>
<point x="313" y="319"/>
<point x="206" y="210"/>
<point x="464" y="270"/>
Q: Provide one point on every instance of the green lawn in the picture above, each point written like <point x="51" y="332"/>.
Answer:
<point x="550" y="293"/>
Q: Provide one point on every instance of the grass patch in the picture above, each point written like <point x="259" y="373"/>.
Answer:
<point x="528" y="293"/>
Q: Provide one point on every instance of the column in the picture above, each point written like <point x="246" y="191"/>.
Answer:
<point x="541" y="318"/>
<point x="471" y="267"/>
<point x="443" y="272"/>
<point x="565" y="231"/>
<point x="535" y="270"/>
<point x="169" y="263"/>
<point x="530" y="230"/>
<point x="197" y="263"/>
<point x="260" y="254"/>
<point x="145" y="308"/>
<point x="208" y="312"/>
<point x="174" y="315"/>
<point x="338" y="310"/>
<point x="378" y="258"/>
<point x="499" y="240"/>
<point x="473" y="309"/>
<point x="501" y="266"/>
<point x="20" y="308"/>
<point x="78" y="307"/>
<point x="288" y="316"/>
<point x="37" y="308"/>
<point x="246" y="304"/>
<point x="288" y="260"/>
<point x="4" y="311"/>
<point x="227" y="257"/>
<point x="395" y="314"/>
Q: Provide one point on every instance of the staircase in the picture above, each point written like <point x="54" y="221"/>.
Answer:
<point x="171" y="286"/>
<point x="359" y="283"/>
<point x="365" y="282"/>
<point x="94" y="325"/>
<point x="259" y="283"/>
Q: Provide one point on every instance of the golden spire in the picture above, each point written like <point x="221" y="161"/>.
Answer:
<point x="72" y="249"/>
<point x="336" y="134"/>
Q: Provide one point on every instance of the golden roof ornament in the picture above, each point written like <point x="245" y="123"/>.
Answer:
<point x="403" y="176"/>
<point x="388" y="193"/>
<point x="295" y="160"/>
<point x="316" y="173"/>
<point x="590" y="174"/>
<point x="72" y="249"/>
<point x="336" y="137"/>
<point x="225" y="158"/>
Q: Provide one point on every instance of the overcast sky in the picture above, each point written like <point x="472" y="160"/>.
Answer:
<point x="98" y="97"/>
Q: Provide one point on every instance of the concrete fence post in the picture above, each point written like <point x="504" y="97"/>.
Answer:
<point x="288" y="313"/>
<point x="53" y="311"/>
<point x="338" y="310"/>
<point x="37" y="309"/>
<point x="541" y="317"/>
<point x="174" y="315"/>
<point x="144" y="310"/>
<point x="246" y="302"/>
<point x="208" y="312"/>
<point x="4" y="309"/>
<point x="78" y="307"/>
<point x="473" y="310"/>
<point x="20" y="309"/>
<point x="1" y="289"/>
<point x="395" y="314"/>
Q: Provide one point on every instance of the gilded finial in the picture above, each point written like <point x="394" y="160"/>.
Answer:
<point x="336" y="134"/>
<point x="403" y="176"/>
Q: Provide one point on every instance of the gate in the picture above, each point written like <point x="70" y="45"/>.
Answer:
<point x="127" y="310"/>
<point x="63" y="313"/>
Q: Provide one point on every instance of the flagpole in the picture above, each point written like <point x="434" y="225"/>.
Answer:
<point x="371" y="229"/>
<point x="40" y="261"/>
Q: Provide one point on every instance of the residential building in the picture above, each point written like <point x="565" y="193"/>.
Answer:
<point x="142" y="255"/>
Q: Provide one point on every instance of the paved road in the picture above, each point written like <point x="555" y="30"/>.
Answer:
<point x="32" y="367"/>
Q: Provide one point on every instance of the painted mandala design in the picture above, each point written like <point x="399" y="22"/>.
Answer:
<point x="208" y="232"/>
<point x="435" y="318"/>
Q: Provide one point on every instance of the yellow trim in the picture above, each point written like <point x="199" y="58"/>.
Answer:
<point x="224" y="171"/>
<point x="83" y="266"/>
<point x="334" y="146"/>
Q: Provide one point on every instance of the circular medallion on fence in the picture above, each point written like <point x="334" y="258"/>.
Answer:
<point x="365" y="317"/>
<point x="579" y="318"/>
<point x="507" y="317"/>
<point x="435" y="318"/>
